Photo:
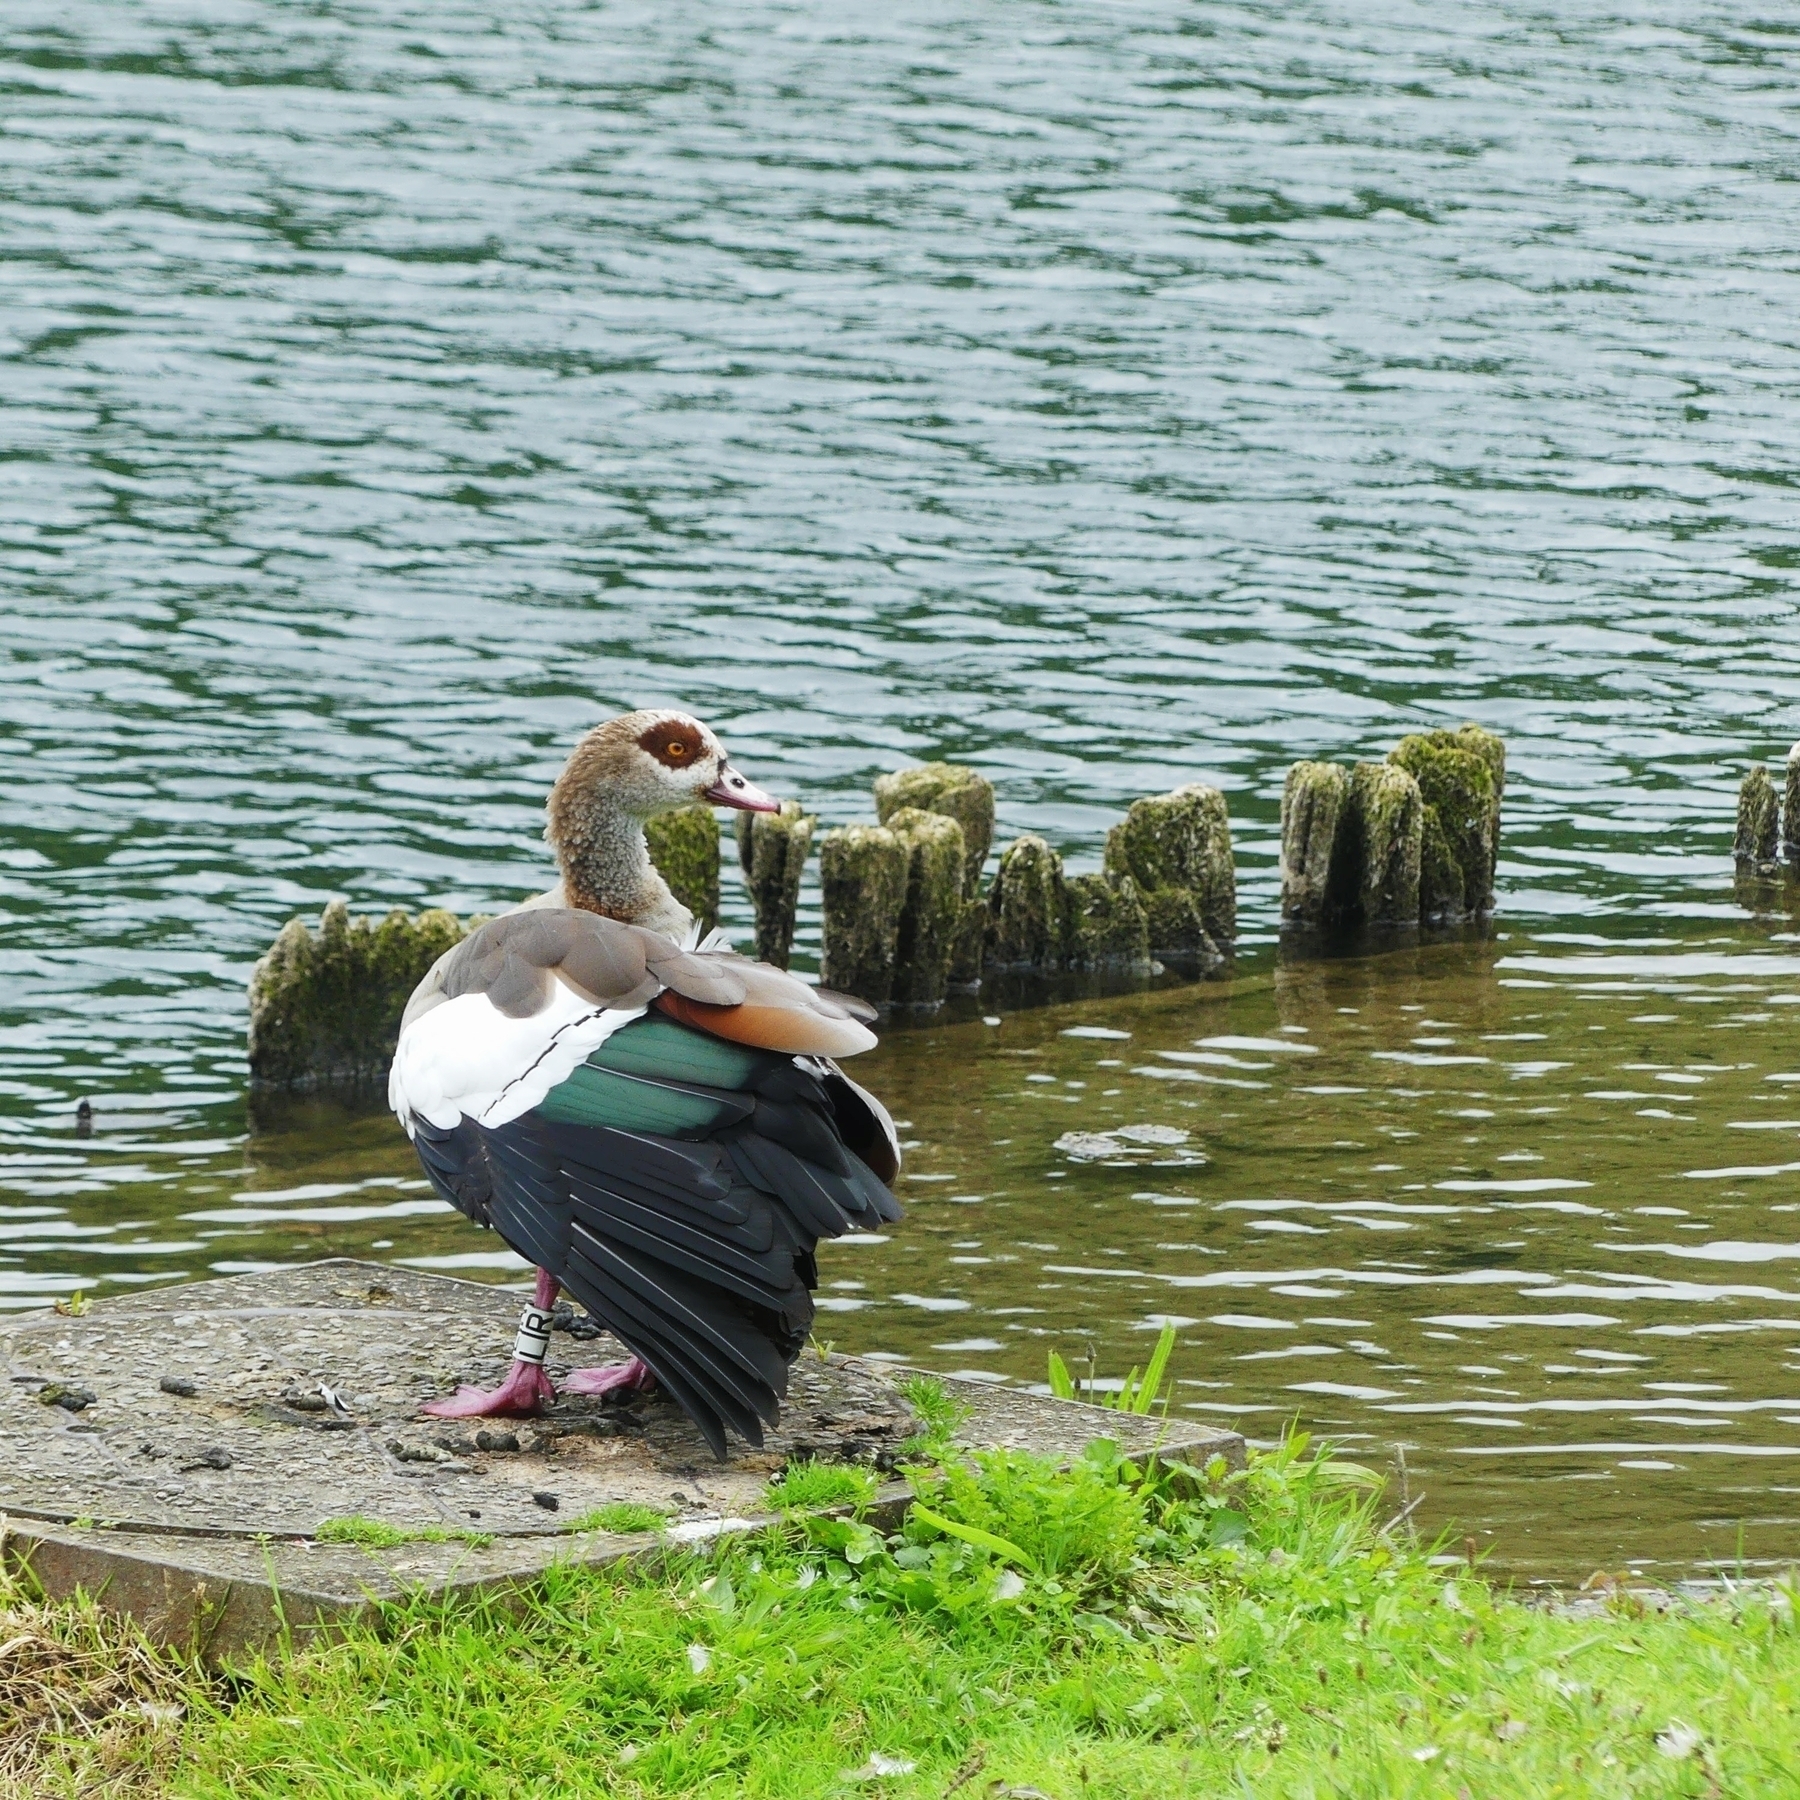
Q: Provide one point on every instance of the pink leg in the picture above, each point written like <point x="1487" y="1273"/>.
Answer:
<point x="526" y="1388"/>
<point x="634" y="1377"/>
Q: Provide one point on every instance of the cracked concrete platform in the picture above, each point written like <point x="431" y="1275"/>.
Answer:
<point x="180" y="1451"/>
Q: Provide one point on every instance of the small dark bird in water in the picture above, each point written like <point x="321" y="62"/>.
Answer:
<point x="656" y="1122"/>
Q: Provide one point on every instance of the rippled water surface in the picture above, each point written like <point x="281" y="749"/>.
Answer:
<point x="1107" y="395"/>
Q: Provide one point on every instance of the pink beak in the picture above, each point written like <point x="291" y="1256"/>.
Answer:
<point x="731" y="789"/>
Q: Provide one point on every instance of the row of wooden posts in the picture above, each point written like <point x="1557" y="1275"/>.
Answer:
<point x="1768" y="823"/>
<point x="906" y="918"/>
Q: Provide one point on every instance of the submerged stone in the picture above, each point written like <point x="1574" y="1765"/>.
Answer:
<point x="772" y="848"/>
<point x="1314" y="800"/>
<point x="1027" y="908"/>
<point x="956" y="792"/>
<point x="1389" y="812"/>
<point x="1105" y="925"/>
<point x="863" y="873"/>
<point x="1758" y="819"/>
<point x="327" y="1007"/>
<point x="1461" y="776"/>
<point x="1179" y="844"/>
<point x="684" y="846"/>
<point x="931" y="917"/>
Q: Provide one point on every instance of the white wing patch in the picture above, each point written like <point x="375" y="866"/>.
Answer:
<point x="466" y="1059"/>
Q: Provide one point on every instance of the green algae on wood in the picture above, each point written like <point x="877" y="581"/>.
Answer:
<point x="931" y="916"/>
<point x="684" y="846"/>
<point x="1758" y="820"/>
<point x="1105" y="925"/>
<point x="1026" y="908"/>
<point x="773" y="848"/>
<point x="1790" y="807"/>
<point x="956" y="792"/>
<point x="1461" y="776"/>
<point x="862" y="875"/>
<point x="327" y="1007"/>
<point x="1314" y="800"/>
<point x="1389" y="814"/>
<point x="1179" y="841"/>
<point x="970" y="949"/>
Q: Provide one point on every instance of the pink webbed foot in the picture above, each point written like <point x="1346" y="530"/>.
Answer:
<point x="614" y="1378"/>
<point x="525" y="1390"/>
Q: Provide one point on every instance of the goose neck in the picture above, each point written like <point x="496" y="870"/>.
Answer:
<point x="606" y="865"/>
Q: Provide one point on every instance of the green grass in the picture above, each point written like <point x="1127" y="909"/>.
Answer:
<point x="940" y="1414"/>
<point x="803" y="1486"/>
<point x="1103" y="1633"/>
<point x="621" y="1517"/>
<point x="372" y="1534"/>
<point x="1137" y="1394"/>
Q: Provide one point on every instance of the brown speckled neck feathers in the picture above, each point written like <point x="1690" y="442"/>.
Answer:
<point x="606" y="865"/>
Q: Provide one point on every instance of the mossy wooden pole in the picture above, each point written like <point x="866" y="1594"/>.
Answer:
<point x="1314" y="800"/>
<point x="327" y="1008"/>
<point x="772" y="848"/>
<point x="1461" y="776"/>
<point x="1105" y="925"/>
<point x="862" y="874"/>
<point x="1176" y="849"/>
<point x="1758" y="820"/>
<point x="958" y="794"/>
<point x="684" y="846"/>
<point x="1790" y="808"/>
<point x="961" y="794"/>
<point x="932" y="913"/>
<point x="1389" y="812"/>
<point x="1027" y="907"/>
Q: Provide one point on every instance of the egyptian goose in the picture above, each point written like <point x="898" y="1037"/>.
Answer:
<point x="656" y="1123"/>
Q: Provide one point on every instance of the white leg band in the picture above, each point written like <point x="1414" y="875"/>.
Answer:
<point x="532" y="1344"/>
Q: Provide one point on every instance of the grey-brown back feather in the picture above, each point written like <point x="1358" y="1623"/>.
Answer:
<point x="514" y="959"/>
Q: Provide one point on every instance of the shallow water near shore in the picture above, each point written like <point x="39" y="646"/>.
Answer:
<point x="1109" y="396"/>
<point x="1521" y="1209"/>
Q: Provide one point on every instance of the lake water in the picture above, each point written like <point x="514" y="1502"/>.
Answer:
<point x="1106" y="395"/>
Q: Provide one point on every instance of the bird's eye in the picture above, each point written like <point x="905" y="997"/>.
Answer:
<point x="676" y="749"/>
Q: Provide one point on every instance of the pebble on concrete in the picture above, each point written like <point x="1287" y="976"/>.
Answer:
<point x="863" y="873"/>
<point x="773" y="847"/>
<point x="684" y="846"/>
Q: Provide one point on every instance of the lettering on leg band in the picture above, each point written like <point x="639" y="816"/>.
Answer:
<point x="532" y="1344"/>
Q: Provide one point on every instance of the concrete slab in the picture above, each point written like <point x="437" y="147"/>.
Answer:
<point x="187" y="1452"/>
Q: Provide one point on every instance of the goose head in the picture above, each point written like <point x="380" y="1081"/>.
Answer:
<point x="623" y="772"/>
<point x="644" y="763"/>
